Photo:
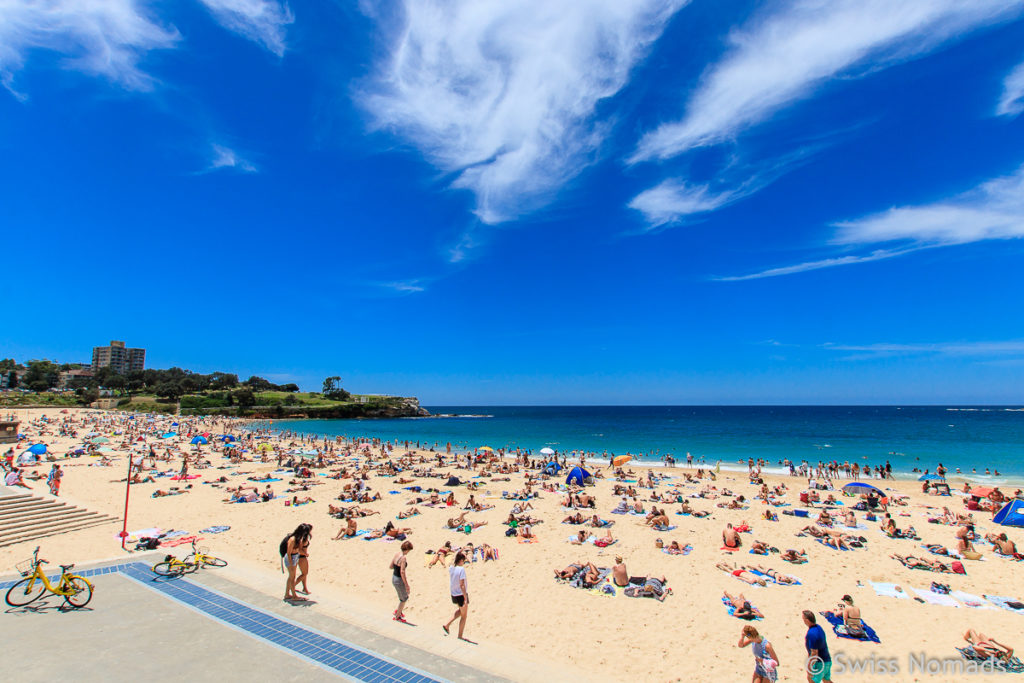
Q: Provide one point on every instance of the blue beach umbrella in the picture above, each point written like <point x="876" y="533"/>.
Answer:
<point x="227" y="438"/>
<point x="930" y="477"/>
<point x="168" y="435"/>
<point x="861" y="487"/>
<point x="37" y="449"/>
<point x="196" y="440"/>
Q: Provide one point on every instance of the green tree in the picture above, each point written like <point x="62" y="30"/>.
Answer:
<point x="87" y="395"/>
<point x="223" y="380"/>
<point x="290" y="387"/>
<point x="170" y="389"/>
<point x="42" y="375"/>
<point x="245" y="397"/>
<point x="333" y="391"/>
<point x="259" y="384"/>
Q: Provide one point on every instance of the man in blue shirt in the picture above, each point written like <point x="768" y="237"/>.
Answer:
<point x="819" y="661"/>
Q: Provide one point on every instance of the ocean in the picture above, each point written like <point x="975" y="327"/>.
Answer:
<point x="969" y="438"/>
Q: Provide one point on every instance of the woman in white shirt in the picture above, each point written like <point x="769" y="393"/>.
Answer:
<point x="460" y="593"/>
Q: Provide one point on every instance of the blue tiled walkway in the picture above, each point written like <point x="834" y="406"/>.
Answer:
<point x="319" y="648"/>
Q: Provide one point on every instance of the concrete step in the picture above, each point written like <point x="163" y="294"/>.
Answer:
<point x="32" y="514"/>
<point x="20" y="504"/>
<point x="23" y="537"/>
<point x="51" y="521"/>
<point x="33" y="507"/>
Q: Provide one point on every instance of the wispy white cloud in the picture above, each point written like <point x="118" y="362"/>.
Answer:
<point x="994" y="210"/>
<point x="503" y="94"/>
<point x="101" y="37"/>
<point x="405" y="286"/>
<point x="225" y="157"/>
<point x="674" y="199"/>
<point x="1009" y="348"/>
<point x="262" y="21"/>
<point x="783" y="54"/>
<point x="1011" y="102"/>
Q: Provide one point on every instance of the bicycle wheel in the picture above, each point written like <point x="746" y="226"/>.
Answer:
<point x="214" y="562"/>
<point x="20" y="594"/>
<point x="168" y="569"/>
<point x="82" y="592"/>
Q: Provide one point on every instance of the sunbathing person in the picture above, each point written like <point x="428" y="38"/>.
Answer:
<point x="574" y="519"/>
<point x="411" y="512"/>
<point x="760" y="548"/>
<point x="488" y="552"/>
<point x="581" y="537"/>
<point x="659" y="520"/>
<point x="461" y="522"/>
<point x="441" y="553"/>
<point x="743" y="608"/>
<point x="653" y="587"/>
<point x="591" y="575"/>
<point x="850" y="519"/>
<point x="781" y="579"/>
<point x="987" y="647"/>
<point x="795" y="556"/>
<point x="520" y="508"/>
<point x="301" y="501"/>
<point x="730" y="538"/>
<point x="525" y="532"/>
<point x="347" y="531"/>
<point x="674" y="548"/>
<point x="912" y="562"/>
<point x="1003" y="545"/>
<point x="597" y="522"/>
<point x="569" y="572"/>
<point x="852" y="624"/>
<point x="741" y="574"/>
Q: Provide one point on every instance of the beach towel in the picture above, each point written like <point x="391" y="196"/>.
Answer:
<point x="731" y="550"/>
<point x="731" y="609"/>
<point x="837" y="621"/>
<point x="889" y="590"/>
<point x="359" y="532"/>
<point x="175" y="534"/>
<point x="1003" y="603"/>
<point x="263" y="481"/>
<point x="529" y="540"/>
<point x="952" y="554"/>
<point x="133" y="536"/>
<point x="181" y="540"/>
<point x="188" y="476"/>
<point x="936" y="598"/>
<point x="970" y="600"/>
<point x="214" y="529"/>
<point x="662" y="527"/>
<point x="686" y="550"/>
<point x="1013" y="664"/>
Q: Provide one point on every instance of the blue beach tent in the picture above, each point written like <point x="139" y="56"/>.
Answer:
<point x="552" y="467"/>
<point x="37" y="449"/>
<point x="1012" y="514"/>
<point x="577" y="476"/>
<point x="199" y="440"/>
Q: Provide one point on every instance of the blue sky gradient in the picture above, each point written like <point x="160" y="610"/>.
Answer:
<point x="605" y="202"/>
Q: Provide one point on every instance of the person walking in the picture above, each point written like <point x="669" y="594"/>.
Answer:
<point x="399" y="580"/>
<point x="819" y="661"/>
<point x="53" y="479"/>
<point x="460" y="593"/>
<point x="765" y="659"/>
<point x="293" y="547"/>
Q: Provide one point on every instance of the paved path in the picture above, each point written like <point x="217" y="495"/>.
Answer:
<point x="155" y="622"/>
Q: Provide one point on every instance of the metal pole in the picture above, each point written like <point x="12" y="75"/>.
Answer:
<point x="127" y="490"/>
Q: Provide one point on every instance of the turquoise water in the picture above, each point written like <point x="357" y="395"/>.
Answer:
<point x="908" y="437"/>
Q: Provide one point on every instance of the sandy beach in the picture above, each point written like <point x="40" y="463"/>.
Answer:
<point x="519" y="611"/>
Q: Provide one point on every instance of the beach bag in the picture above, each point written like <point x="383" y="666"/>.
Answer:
<point x="510" y="532"/>
<point x="958" y="567"/>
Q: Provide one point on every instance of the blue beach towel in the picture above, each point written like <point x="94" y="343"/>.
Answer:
<point x="262" y="481"/>
<point x="836" y="621"/>
<point x="686" y="550"/>
<point x="796" y="581"/>
<point x="830" y="547"/>
<point x="214" y="529"/>
<point x="662" y="527"/>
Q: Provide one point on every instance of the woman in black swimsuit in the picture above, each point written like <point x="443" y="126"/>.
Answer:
<point x="295" y="557"/>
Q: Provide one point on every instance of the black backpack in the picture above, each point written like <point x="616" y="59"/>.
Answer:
<point x="284" y="545"/>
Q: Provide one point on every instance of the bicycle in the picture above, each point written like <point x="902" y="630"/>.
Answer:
<point x="173" y="567"/>
<point x="75" y="590"/>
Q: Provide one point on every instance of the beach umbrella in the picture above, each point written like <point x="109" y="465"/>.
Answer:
<point x="265" y="446"/>
<point x="485" y="448"/>
<point x="929" y="477"/>
<point x="198" y="440"/>
<point x="622" y="460"/>
<point x="173" y="424"/>
<point x="168" y="435"/>
<point x="227" y="438"/>
<point x="1012" y="514"/>
<point x="861" y="487"/>
<point x="37" y="449"/>
<point x="982" y="491"/>
<point x="99" y="439"/>
<point x="547" y="451"/>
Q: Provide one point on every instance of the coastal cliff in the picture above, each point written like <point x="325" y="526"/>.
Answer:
<point x="386" y="407"/>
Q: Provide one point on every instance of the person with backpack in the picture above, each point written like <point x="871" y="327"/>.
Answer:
<point x="294" y="547"/>
<point x="459" y="592"/>
<point x="399" y="579"/>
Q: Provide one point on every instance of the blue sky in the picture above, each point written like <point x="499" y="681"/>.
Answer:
<point x="613" y="201"/>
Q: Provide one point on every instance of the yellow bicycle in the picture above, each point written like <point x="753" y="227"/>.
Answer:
<point x="172" y="566"/>
<point x="75" y="590"/>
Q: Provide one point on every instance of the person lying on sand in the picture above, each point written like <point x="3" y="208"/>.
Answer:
<point x="743" y="608"/>
<point x="581" y="537"/>
<point x="570" y="571"/>
<point x="441" y="554"/>
<point x="674" y="548"/>
<point x="597" y="522"/>
<point x="781" y="579"/>
<point x="912" y="562"/>
<point x="411" y="512"/>
<point x="653" y="587"/>
<point x="574" y="519"/>
<point x="760" y="548"/>
<point x="741" y="574"/>
<point x="795" y="556"/>
<point x="460" y="521"/>
<point x="987" y="647"/>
